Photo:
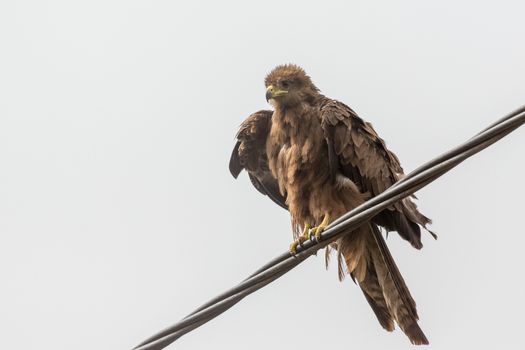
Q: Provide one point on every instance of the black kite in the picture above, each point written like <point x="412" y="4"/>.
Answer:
<point x="316" y="158"/>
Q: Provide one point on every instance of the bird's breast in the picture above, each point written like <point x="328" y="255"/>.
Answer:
<point x="297" y="154"/>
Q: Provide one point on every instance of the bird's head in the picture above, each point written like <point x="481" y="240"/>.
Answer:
<point x="288" y="85"/>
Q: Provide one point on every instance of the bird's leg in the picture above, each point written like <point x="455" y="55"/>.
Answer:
<point x="303" y="237"/>
<point x="316" y="231"/>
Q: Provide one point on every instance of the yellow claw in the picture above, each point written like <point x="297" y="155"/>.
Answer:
<point x="316" y="231"/>
<point x="302" y="238"/>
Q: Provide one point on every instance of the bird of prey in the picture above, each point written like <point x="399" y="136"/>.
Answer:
<point x="315" y="157"/>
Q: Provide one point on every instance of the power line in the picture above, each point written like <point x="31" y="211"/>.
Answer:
<point x="280" y="265"/>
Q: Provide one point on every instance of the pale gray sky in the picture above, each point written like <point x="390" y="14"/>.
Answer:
<point x="118" y="215"/>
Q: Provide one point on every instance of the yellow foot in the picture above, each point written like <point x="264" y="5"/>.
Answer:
<point x="316" y="231"/>
<point x="303" y="237"/>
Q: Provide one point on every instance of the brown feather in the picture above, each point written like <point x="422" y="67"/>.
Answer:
<point x="250" y="153"/>
<point x="366" y="160"/>
<point x="316" y="157"/>
<point x="385" y="289"/>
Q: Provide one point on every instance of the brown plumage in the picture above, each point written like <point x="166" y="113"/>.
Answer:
<point x="314" y="156"/>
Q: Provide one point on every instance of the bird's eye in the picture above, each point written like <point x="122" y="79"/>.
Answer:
<point x="285" y="84"/>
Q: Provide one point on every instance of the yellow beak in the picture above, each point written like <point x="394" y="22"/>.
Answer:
<point x="272" y="92"/>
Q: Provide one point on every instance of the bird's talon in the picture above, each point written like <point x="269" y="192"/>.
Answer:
<point x="295" y="244"/>
<point x="293" y="247"/>
<point x="299" y="241"/>
<point x="316" y="231"/>
<point x="317" y="235"/>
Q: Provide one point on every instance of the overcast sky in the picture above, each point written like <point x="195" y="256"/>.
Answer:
<point x="118" y="215"/>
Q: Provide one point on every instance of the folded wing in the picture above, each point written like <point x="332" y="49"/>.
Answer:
<point x="249" y="153"/>
<point x="356" y="151"/>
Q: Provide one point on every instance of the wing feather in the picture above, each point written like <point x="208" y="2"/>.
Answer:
<point x="364" y="158"/>
<point x="249" y="153"/>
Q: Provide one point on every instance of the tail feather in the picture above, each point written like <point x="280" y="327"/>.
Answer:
<point x="369" y="261"/>
<point x="354" y="250"/>
<point x="374" y="295"/>
<point x="394" y="273"/>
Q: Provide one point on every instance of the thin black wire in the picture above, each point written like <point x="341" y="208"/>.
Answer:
<point x="280" y="265"/>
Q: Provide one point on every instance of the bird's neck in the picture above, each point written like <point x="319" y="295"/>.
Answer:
<point x="298" y="106"/>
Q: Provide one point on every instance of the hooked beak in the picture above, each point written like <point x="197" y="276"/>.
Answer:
<point x="272" y="92"/>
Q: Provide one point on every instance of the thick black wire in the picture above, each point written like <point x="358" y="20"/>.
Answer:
<point x="285" y="262"/>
